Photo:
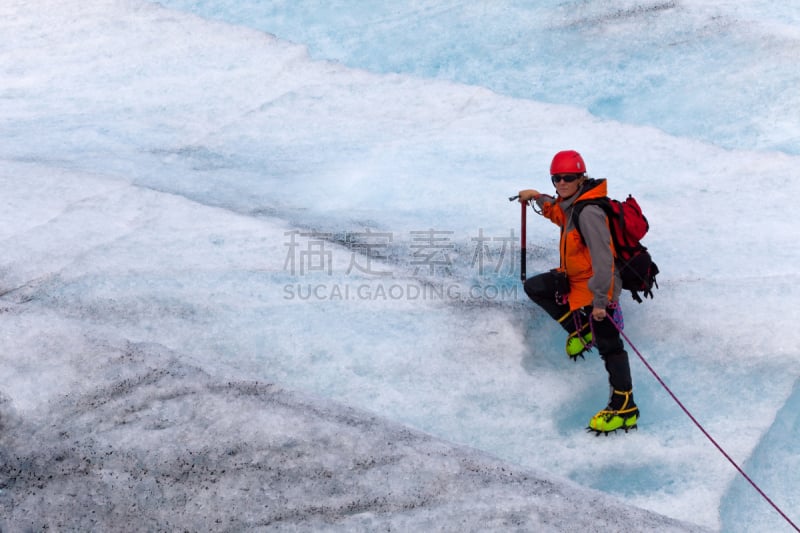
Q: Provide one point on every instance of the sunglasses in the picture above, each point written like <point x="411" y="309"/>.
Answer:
<point x="569" y="178"/>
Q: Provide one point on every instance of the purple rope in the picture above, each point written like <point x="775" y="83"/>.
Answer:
<point x="708" y="436"/>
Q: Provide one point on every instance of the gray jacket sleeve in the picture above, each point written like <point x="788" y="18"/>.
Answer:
<point x="544" y="199"/>
<point x="598" y="239"/>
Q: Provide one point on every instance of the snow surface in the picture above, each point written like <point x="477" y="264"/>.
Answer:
<point x="271" y="281"/>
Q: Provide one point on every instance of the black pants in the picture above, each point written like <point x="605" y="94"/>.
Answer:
<point x="542" y="290"/>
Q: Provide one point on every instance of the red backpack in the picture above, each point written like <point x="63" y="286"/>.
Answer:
<point x="628" y="226"/>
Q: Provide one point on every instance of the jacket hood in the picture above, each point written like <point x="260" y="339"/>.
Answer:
<point x="592" y="189"/>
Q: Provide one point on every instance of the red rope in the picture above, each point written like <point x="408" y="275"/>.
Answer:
<point x="708" y="436"/>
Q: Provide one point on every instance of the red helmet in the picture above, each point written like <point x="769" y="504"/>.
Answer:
<point x="567" y="162"/>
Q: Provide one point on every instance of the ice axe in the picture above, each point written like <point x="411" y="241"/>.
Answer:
<point x="522" y="251"/>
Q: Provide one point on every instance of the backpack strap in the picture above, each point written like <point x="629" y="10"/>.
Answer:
<point x="604" y="203"/>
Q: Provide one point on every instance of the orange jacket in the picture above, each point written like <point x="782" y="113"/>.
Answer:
<point x="590" y="284"/>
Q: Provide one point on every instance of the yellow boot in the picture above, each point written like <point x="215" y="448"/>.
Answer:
<point x="624" y="416"/>
<point x="577" y="344"/>
<point x="578" y="341"/>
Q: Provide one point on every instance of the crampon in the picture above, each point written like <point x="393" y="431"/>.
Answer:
<point x="624" y="427"/>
